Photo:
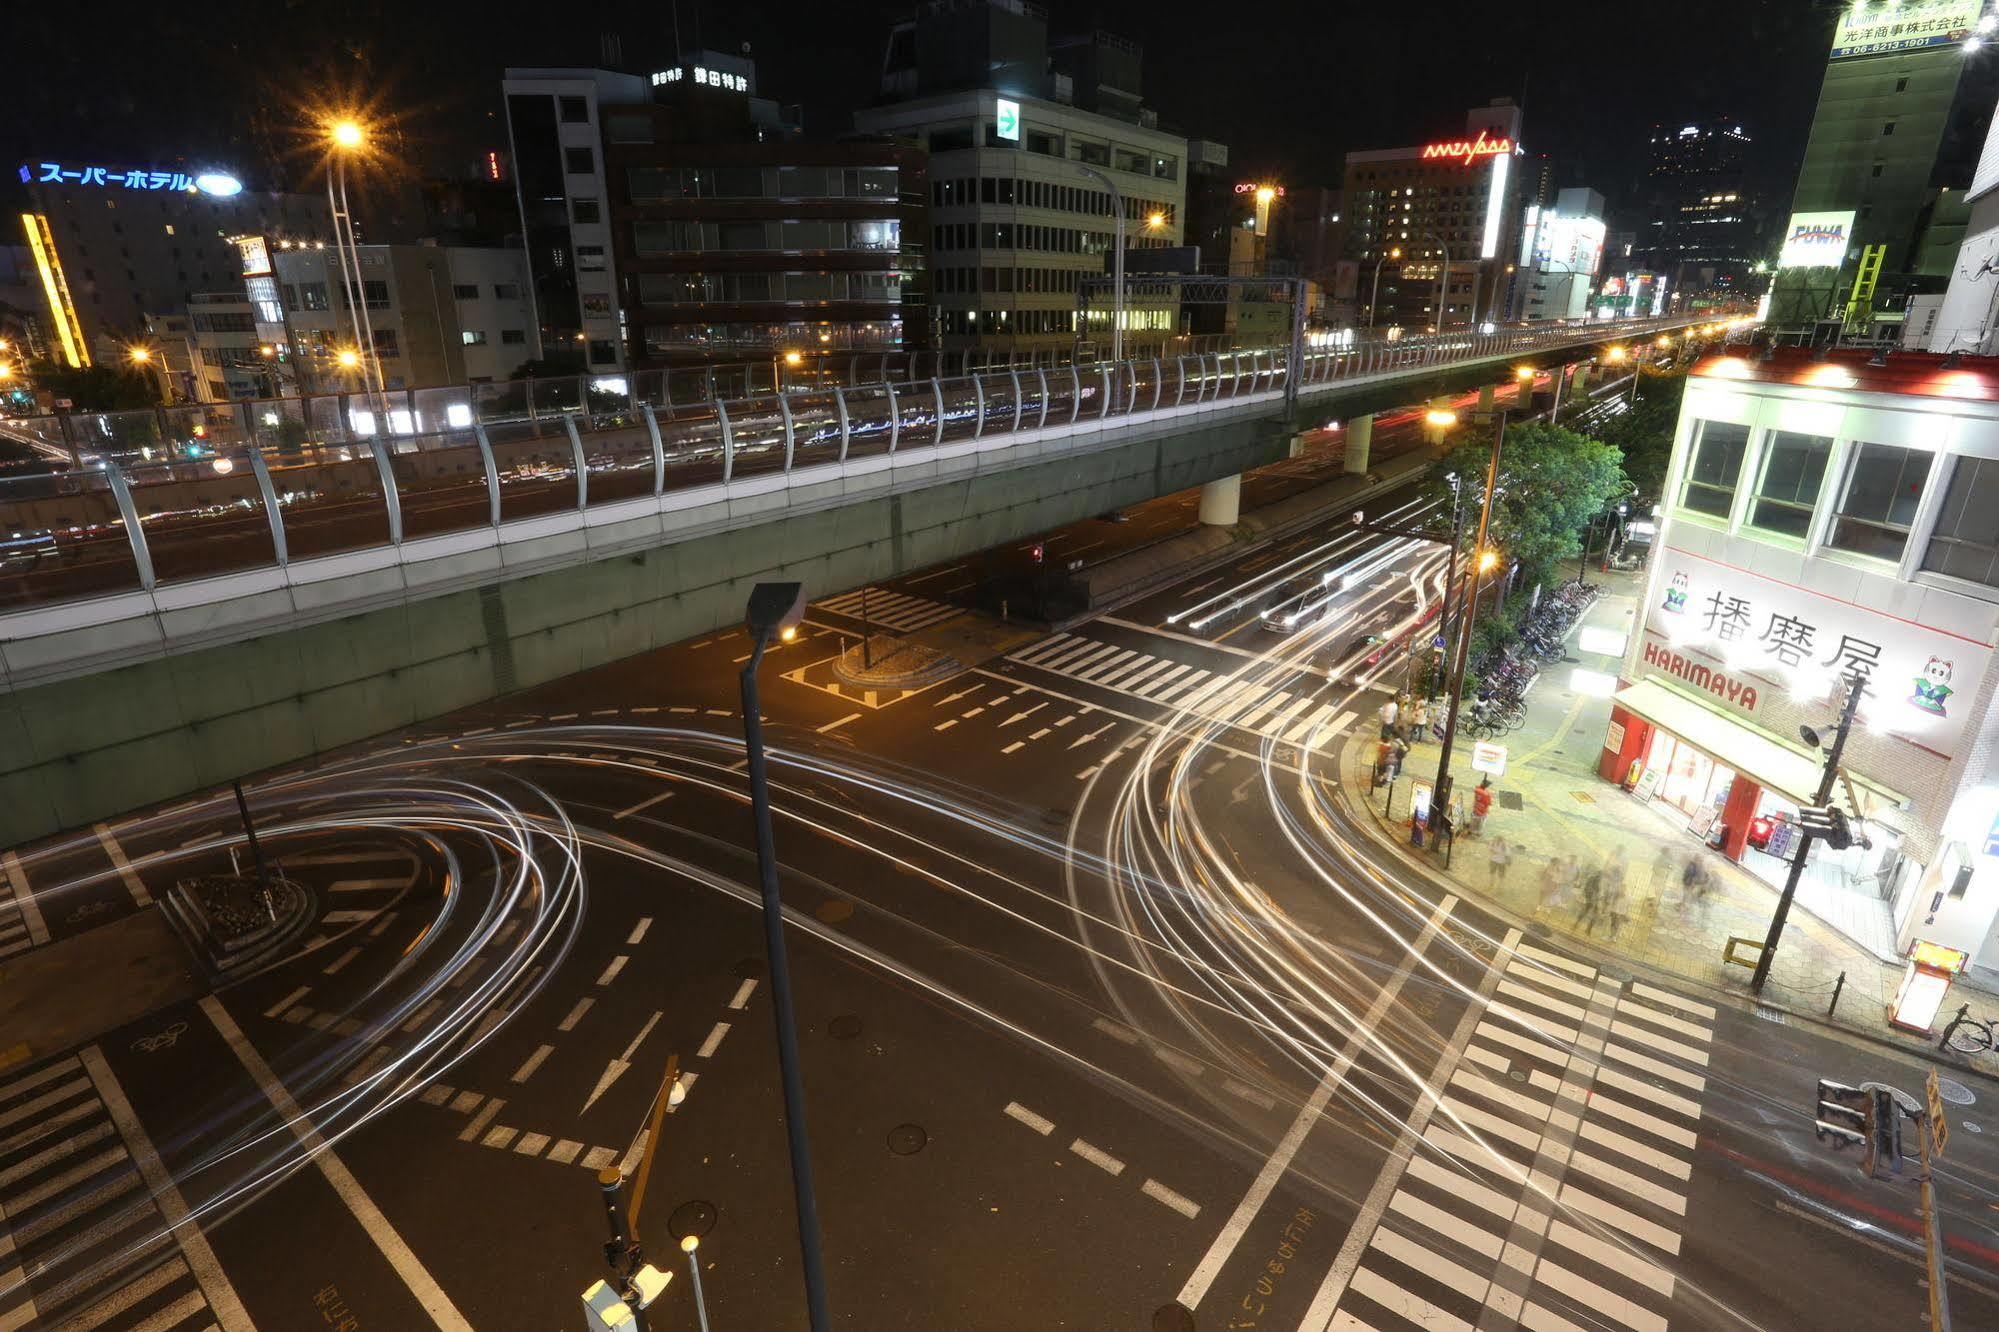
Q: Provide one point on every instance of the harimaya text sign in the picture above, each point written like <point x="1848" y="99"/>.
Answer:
<point x="1742" y="638"/>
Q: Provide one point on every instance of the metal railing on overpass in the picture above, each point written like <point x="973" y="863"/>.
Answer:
<point x="151" y="501"/>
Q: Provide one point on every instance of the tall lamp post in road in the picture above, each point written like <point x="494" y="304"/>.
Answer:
<point x="1117" y="259"/>
<point x="1482" y="564"/>
<point x="775" y="611"/>
<point x="346" y="137"/>
<point x="1374" y="291"/>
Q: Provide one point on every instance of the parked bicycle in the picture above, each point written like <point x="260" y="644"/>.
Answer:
<point x="1967" y="1034"/>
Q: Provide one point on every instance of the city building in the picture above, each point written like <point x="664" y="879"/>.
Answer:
<point x="680" y="216"/>
<point x="1828" y="515"/>
<point x="1962" y="317"/>
<point x="1433" y="228"/>
<point x="1561" y="253"/>
<point x="1022" y="138"/>
<point x="1900" y="118"/>
<point x="210" y="351"/>
<point x="440" y="314"/>
<point x="1697" y="226"/>
<point x="113" y="243"/>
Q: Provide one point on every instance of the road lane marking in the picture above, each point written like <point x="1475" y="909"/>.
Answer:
<point x="428" y="1293"/>
<point x="1632" y="1184"/>
<point x="24" y="898"/>
<point x="1210" y="1266"/>
<point x="575" y="1014"/>
<point x="1097" y="1157"/>
<point x="611" y="972"/>
<point x="836" y="725"/>
<point x="531" y="1144"/>
<point x="743" y="992"/>
<point x="945" y="726"/>
<point x="1115" y="1031"/>
<point x="1406" y="1305"/>
<point x="1666" y="1020"/>
<point x="1015" y="745"/>
<point x="286" y="1002"/>
<point x="1624" y="1054"/>
<point x="1613" y="1256"/>
<point x="339" y="964"/>
<point x="1592" y="1296"/>
<point x="643" y="804"/>
<point x="638" y="931"/>
<point x="532" y="1062"/>
<point x="124" y="867"/>
<point x="1610" y="1214"/>
<point x="1158" y="1192"/>
<point x="565" y="1151"/>
<point x="1016" y="1110"/>
<point x="1432" y="1217"/>
<point x="1637" y="1151"/>
<point x="714" y="1041"/>
<point x="480" y="1120"/>
<point x="1249" y="1093"/>
<point x="499" y="1136"/>
<point x="1645" y="991"/>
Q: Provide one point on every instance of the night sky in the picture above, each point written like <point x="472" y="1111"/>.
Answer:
<point x="1290" y="87"/>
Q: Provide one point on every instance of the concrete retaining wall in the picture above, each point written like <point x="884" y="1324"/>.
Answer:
<point x="93" y="745"/>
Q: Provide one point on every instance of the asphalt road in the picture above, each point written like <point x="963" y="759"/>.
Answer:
<point x="1110" y="1017"/>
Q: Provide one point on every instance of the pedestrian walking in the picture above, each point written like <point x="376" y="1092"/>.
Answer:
<point x="1590" y="911"/>
<point x="1498" y="860"/>
<point x="1551" y="883"/>
<point x="1565" y="880"/>
<point x="1481" y="805"/>
<point x="1660" y="876"/>
<point x="1419" y="720"/>
<point x="1390" y="712"/>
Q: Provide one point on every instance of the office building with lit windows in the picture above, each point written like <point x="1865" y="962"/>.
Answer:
<point x="679" y="216"/>
<point x="1824" y="517"/>
<point x="1011" y="119"/>
<point x="1697" y="225"/>
<point x="1433" y="229"/>
<point x="111" y="244"/>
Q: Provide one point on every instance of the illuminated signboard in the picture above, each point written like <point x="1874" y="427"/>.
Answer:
<point x="492" y="166"/>
<point x="701" y="74"/>
<point x="217" y="183"/>
<point x="255" y="253"/>
<point x="1006" y="120"/>
<point x="1816" y="240"/>
<point x="1881" y="28"/>
<point x="1251" y="187"/>
<point x="55" y="290"/>
<point x="1470" y="149"/>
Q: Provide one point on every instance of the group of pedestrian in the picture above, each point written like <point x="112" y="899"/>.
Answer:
<point x="1406" y="719"/>
<point x="1599" y="894"/>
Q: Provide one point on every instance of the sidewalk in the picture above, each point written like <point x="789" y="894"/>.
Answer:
<point x="1552" y="803"/>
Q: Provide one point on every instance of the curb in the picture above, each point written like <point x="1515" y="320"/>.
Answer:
<point x="1370" y="824"/>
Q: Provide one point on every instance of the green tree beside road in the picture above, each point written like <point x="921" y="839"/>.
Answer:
<point x="1644" y="434"/>
<point x="1552" y="482"/>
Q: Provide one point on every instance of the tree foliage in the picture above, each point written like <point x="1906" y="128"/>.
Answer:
<point x="1552" y="481"/>
<point x="1643" y="436"/>
<point x="97" y="388"/>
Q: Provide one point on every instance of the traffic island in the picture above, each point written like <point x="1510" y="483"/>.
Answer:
<point x="887" y="662"/>
<point x="70" y="992"/>
<point x="233" y="924"/>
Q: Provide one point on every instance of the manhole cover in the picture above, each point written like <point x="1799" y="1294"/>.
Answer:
<point x="834" y="911"/>
<point x="749" y="968"/>
<point x="1509" y="800"/>
<point x="694" y="1218"/>
<point x="844" y="1027"/>
<point x="1772" y="1015"/>
<point x="1955" y="1092"/>
<point x="1173" y="1317"/>
<point x="907" y="1139"/>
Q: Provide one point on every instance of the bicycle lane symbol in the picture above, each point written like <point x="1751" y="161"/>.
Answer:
<point x="164" y="1039"/>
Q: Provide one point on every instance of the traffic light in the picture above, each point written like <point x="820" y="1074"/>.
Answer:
<point x="1866" y="1117"/>
<point x="1829" y="823"/>
<point x="1037" y="552"/>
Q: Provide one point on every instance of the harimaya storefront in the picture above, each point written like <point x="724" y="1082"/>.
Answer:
<point x="1825" y="518"/>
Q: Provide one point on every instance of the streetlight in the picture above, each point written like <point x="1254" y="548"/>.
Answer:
<point x="1443" y="275"/>
<point x="775" y="611"/>
<point x="1486" y="561"/>
<point x="1117" y="260"/>
<point x="1374" y="292"/>
<point x="347" y="137"/>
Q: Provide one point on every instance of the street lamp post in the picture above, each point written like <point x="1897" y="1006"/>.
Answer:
<point x="1117" y="260"/>
<point x="775" y="611"/>
<point x="1443" y="274"/>
<point x="1481" y="563"/>
<point x="1374" y="291"/>
<point x="1828" y="777"/>
<point x="346" y="137"/>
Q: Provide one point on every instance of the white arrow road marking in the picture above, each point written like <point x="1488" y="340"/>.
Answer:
<point x="1020" y="715"/>
<point x="1085" y="739"/>
<point x="616" y="1068"/>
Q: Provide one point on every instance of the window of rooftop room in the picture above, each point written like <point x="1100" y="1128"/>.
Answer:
<point x="1793" y="469"/>
<point x="1965" y="541"/>
<point x="1047" y="145"/>
<point x="464" y="291"/>
<point x="585" y="211"/>
<point x="1096" y="154"/>
<point x="580" y="161"/>
<point x="945" y="140"/>
<point x="575" y="110"/>
<point x="1878" y="500"/>
<point x="1716" y="464"/>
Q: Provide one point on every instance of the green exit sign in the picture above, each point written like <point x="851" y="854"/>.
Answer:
<point x="1006" y="123"/>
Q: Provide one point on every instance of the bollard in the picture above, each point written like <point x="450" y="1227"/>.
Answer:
<point x="1837" y="987"/>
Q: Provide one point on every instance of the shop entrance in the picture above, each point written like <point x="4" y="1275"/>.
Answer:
<point x="1689" y="780"/>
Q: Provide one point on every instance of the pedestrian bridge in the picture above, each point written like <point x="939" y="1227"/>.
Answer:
<point x="194" y="592"/>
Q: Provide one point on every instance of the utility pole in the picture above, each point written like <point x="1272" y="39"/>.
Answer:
<point x="1441" y="800"/>
<point x="1855" y="684"/>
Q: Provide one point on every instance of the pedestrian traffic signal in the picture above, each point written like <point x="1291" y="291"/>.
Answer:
<point x="1037" y="552"/>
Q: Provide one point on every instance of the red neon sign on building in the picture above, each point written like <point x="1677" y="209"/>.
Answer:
<point x="1470" y="150"/>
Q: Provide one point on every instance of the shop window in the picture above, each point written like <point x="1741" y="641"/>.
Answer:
<point x="1793" y="468"/>
<point x="1884" y="483"/>
<point x="1965" y="543"/>
<point x="1717" y="462"/>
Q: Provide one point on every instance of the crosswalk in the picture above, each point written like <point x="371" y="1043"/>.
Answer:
<point x="890" y="610"/>
<point x="21" y="925"/>
<point x="1549" y="1189"/>
<point x="82" y="1234"/>
<point x="1293" y="716"/>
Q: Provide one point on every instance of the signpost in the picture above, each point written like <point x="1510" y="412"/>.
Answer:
<point x="1489" y="758"/>
<point x="1006" y="120"/>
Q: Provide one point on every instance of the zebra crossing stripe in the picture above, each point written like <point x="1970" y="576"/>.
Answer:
<point x="1610" y="1214"/>
<point x="1151" y="686"/>
<point x="1139" y="661"/>
<point x="1167" y="695"/>
<point x="1092" y="672"/>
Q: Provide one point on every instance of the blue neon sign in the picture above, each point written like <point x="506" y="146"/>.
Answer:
<point x="216" y="183"/>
